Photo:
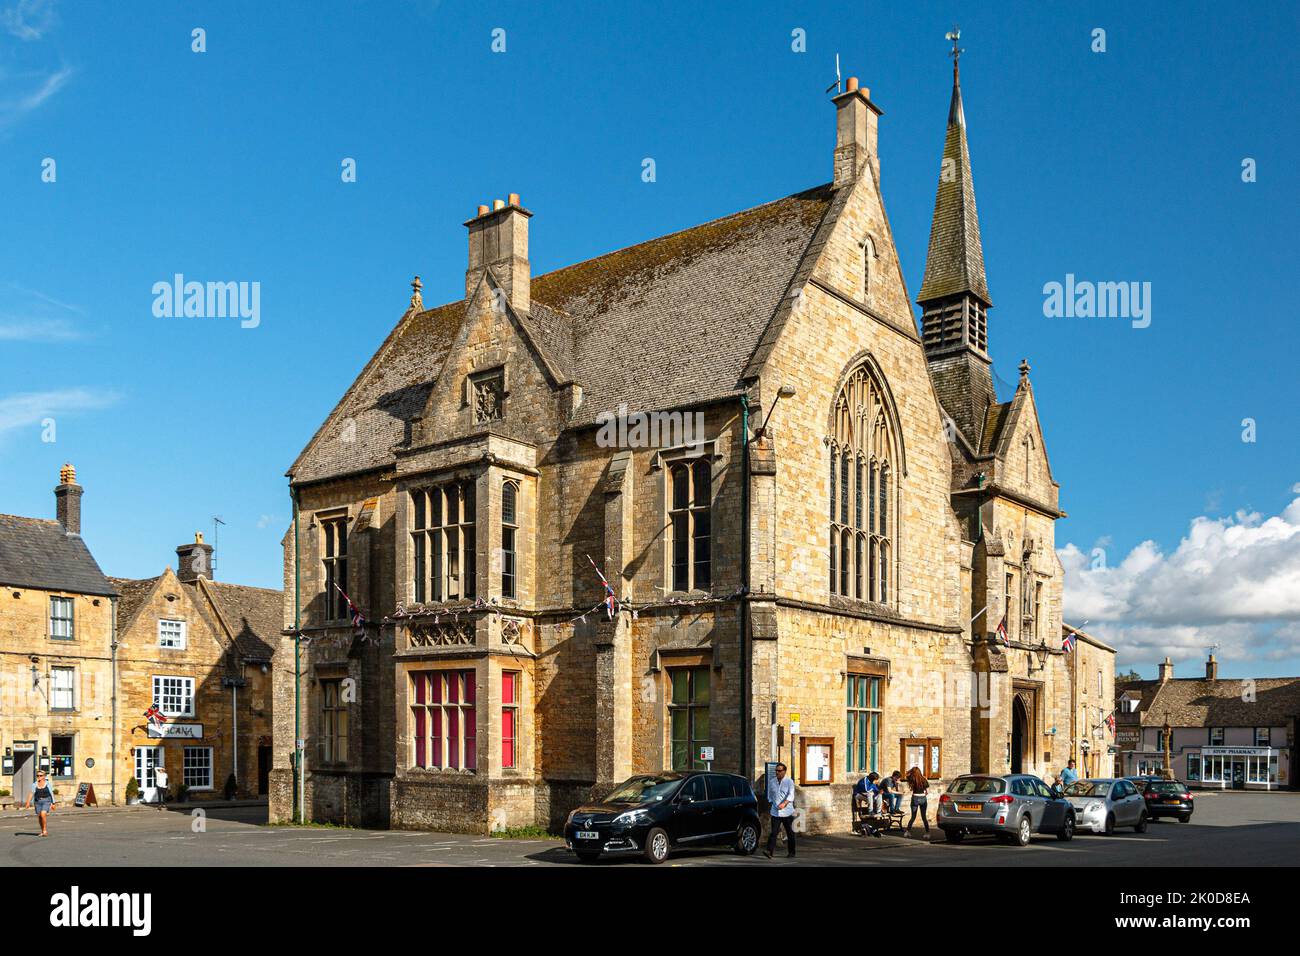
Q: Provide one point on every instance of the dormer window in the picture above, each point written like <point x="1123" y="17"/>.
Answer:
<point x="171" y="634"/>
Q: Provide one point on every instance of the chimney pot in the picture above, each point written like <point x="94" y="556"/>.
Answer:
<point x="1211" y="669"/>
<point x="1166" y="670"/>
<point x="513" y="199"/>
<point x="498" y="204"/>
<point x="851" y="85"/>
<point x="482" y="210"/>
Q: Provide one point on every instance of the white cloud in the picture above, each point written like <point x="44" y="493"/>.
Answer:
<point x="1232" y="581"/>
<point x="29" y="409"/>
<point x="28" y="19"/>
<point x="13" y="329"/>
<point x="36" y="90"/>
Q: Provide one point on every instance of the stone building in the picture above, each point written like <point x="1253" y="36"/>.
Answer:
<point x="201" y="650"/>
<point x="56" y="653"/>
<point x="1223" y="734"/>
<point x="1092" y="677"/>
<point x="826" y="539"/>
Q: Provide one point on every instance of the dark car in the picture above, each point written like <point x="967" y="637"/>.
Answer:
<point x="1168" y="798"/>
<point x="1012" y="806"/>
<point x="652" y="814"/>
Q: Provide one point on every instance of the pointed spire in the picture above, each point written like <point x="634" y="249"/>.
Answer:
<point x="955" y="261"/>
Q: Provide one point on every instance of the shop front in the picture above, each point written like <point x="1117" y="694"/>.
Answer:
<point x="1236" y="768"/>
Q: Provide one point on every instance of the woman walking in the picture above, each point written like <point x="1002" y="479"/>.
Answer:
<point x="920" y="786"/>
<point x="44" y="798"/>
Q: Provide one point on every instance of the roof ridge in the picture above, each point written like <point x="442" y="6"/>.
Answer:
<point x="28" y="518"/>
<point x="678" y="232"/>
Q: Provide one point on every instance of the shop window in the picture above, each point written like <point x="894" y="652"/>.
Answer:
<point x="1193" y="767"/>
<point x="196" y="768"/>
<point x="62" y="762"/>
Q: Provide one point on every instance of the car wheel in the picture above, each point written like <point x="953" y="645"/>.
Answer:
<point x="587" y="856"/>
<point x="1025" y="831"/>
<point x="747" y="838"/>
<point x="1141" y="826"/>
<point x="1185" y="818"/>
<point x="954" y="836"/>
<point x="1066" y="833"/>
<point x="1110" y="824"/>
<point x="656" y="845"/>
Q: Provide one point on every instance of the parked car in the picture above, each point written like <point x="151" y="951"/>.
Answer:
<point x="1168" y="798"/>
<point x="1141" y="781"/>
<point x="652" y="814"/>
<point x="1103" y="804"/>
<point x="1013" y="807"/>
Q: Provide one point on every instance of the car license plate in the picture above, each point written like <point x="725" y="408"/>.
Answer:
<point x="970" y="807"/>
<point x="1172" y="800"/>
<point x="587" y="835"/>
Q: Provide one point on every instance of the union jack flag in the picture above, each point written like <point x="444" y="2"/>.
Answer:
<point x="358" y="619"/>
<point x="611" y="602"/>
<point x="155" y="716"/>
<point x="1002" y="631"/>
<point x="1067" y="642"/>
<point x="1110" y="721"/>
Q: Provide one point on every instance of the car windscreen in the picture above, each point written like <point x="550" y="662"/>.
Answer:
<point x="1087" y="788"/>
<point x="976" y="785"/>
<point x="644" y="789"/>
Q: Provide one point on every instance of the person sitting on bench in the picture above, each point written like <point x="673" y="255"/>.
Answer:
<point x="866" y="787"/>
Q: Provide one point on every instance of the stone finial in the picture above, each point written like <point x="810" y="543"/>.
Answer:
<point x="67" y="474"/>
<point x="417" y="300"/>
<point x="1024" y="370"/>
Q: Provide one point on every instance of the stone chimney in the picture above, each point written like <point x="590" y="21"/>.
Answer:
<point x="67" y="500"/>
<point x="855" y="133"/>
<point x="1166" y="670"/>
<point x="498" y="239"/>
<point x="1211" y="669"/>
<point x="194" y="561"/>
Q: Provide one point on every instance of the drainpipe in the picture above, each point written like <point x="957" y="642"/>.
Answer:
<point x="745" y="663"/>
<point x="299" y="778"/>
<point x="112" y="780"/>
<point x="979" y="510"/>
<point x="234" y="735"/>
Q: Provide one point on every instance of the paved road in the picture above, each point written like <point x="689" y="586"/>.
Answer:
<point x="1233" y="829"/>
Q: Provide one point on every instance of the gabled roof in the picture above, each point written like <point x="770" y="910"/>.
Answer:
<point x="609" y="323"/>
<point x="134" y="592"/>
<point x="255" y="617"/>
<point x="1191" y="702"/>
<point x="38" y="553"/>
<point x="955" y="260"/>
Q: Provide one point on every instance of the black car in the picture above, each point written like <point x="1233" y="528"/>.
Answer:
<point x="1168" y="798"/>
<point x="652" y="814"/>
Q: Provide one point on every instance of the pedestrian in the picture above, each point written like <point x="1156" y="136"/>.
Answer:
<point x="780" y="800"/>
<point x="889" y="788"/>
<point x="1057" y="788"/>
<point x="1069" y="775"/>
<point x="44" y="798"/>
<point x="920" y="789"/>
<point x="160" y="782"/>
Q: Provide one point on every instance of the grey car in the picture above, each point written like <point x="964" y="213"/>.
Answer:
<point x="1103" y="804"/>
<point x="1011" y="806"/>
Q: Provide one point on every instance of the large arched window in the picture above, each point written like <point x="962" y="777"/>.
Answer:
<point x="863" y="470"/>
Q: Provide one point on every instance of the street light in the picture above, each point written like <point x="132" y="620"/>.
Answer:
<point x="785" y="391"/>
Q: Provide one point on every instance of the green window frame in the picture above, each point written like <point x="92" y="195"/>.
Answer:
<point x="864" y="712"/>
<point x="688" y="715"/>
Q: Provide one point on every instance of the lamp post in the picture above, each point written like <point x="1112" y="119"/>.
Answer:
<point x="785" y="391"/>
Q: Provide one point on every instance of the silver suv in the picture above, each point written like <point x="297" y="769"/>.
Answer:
<point x="1012" y="806"/>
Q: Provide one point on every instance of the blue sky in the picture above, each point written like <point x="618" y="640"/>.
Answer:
<point x="225" y="165"/>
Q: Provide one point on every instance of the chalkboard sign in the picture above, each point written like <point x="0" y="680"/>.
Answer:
<point x="86" y="796"/>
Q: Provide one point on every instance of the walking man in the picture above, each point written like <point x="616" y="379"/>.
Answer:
<point x="1069" y="775"/>
<point x="780" y="799"/>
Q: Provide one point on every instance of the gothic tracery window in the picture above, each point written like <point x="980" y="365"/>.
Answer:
<point x="862" y="490"/>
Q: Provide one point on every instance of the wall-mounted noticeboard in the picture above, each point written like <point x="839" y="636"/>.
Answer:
<point x="816" y="761"/>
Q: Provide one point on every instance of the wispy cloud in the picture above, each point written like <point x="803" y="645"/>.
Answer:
<point x="28" y="19"/>
<point x="1232" y="581"/>
<point x="30" y="409"/>
<point x="27" y="315"/>
<point x="22" y="329"/>
<point x="35" y="90"/>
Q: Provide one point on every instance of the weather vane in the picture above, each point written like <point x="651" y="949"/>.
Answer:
<point x="954" y="35"/>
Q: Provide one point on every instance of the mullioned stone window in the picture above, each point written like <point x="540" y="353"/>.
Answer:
<point x="862" y="470"/>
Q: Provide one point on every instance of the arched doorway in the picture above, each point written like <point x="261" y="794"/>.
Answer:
<point x="1019" y="734"/>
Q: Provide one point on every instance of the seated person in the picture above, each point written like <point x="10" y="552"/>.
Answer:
<point x="866" y="787"/>
<point x="893" y="798"/>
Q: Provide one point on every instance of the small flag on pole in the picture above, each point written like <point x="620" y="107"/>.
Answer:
<point x="358" y="619"/>
<point x="611" y="602"/>
<point x="1110" y="721"/>
<point x="1002" y="631"/>
<point x="155" y="716"/>
<point x="1067" y="642"/>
